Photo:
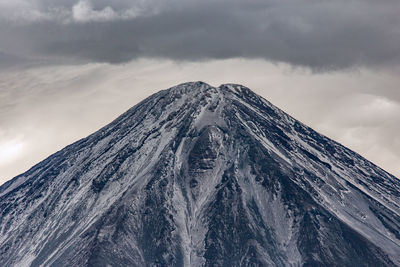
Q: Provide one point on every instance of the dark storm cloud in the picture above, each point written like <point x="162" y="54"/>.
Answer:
<point x="8" y="61"/>
<point x="323" y="35"/>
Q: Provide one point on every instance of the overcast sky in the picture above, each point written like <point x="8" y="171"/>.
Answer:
<point x="68" y="67"/>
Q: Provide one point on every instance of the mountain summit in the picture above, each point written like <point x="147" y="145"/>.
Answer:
<point x="202" y="176"/>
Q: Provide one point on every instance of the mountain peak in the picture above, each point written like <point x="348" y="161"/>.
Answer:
<point x="198" y="175"/>
<point x="197" y="87"/>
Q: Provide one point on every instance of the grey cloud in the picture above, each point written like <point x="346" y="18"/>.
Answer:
<point x="9" y="61"/>
<point x="322" y="35"/>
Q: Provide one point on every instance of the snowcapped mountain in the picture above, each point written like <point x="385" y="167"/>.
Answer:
<point x="202" y="176"/>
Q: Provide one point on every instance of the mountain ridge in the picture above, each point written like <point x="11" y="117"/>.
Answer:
<point x="199" y="175"/>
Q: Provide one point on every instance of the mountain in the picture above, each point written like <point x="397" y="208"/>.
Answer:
<point x="202" y="176"/>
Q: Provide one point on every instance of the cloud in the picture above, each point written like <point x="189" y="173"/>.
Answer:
<point x="9" y="151"/>
<point x="321" y="35"/>
<point x="83" y="12"/>
<point x="7" y="60"/>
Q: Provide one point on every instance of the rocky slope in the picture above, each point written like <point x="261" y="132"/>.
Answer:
<point x="202" y="176"/>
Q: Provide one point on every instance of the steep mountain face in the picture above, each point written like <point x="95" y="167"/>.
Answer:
<point x="202" y="176"/>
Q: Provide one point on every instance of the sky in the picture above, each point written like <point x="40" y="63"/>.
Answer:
<point x="69" y="67"/>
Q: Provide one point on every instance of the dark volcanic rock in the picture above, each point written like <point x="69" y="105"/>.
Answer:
<point x="202" y="176"/>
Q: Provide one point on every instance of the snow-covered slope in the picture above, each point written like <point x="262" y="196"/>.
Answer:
<point x="202" y="176"/>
